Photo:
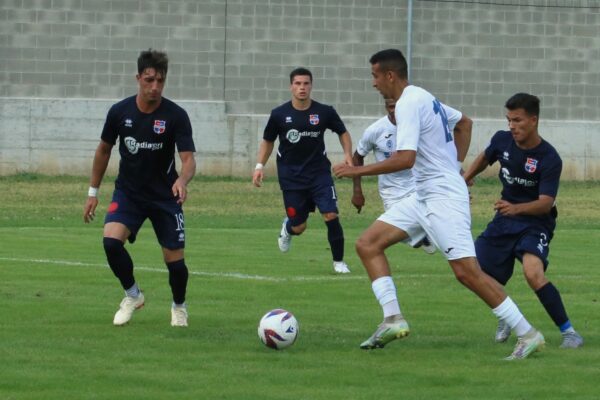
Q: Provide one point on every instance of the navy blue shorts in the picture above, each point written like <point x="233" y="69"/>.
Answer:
<point x="502" y="242"/>
<point x="299" y="203"/>
<point x="166" y="217"/>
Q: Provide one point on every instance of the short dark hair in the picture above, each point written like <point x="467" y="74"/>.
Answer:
<point x="153" y="59"/>
<point x="391" y="60"/>
<point x="300" y="71"/>
<point x="526" y="101"/>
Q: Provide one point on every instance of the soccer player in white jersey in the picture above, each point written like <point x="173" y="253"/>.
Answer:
<point x="395" y="187"/>
<point x="426" y="144"/>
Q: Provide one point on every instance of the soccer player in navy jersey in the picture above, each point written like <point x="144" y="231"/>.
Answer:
<point x="148" y="127"/>
<point x="303" y="168"/>
<point x="525" y="218"/>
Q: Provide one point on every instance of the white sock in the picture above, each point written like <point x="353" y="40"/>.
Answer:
<point x="133" y="291"/>
<point x="509" y="312"/>
<point x="385" y="292"/>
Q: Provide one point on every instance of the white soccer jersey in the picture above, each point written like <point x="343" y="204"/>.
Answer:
<point x="380" y="137"/>
<point x="423" y="125"/>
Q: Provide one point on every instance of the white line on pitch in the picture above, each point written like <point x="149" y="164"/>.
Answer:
<point x="234" y="275"/>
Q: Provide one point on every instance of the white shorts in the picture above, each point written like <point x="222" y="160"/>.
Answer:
<point x="401" y="215"/>
<point x="446" y="222"/>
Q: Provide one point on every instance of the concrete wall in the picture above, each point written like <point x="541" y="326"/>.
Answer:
<point x="234" y="56"/>
<point x="58" y="136"/>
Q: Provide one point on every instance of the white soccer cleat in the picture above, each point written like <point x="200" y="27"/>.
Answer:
<point x="571" y="340"/>
<point x="179" y="316"/>
<point x="502" y="332"/>
<point x="285" y="239"/>
<point x="127" y="307"/>
<point x="341" y="267"/>
<point x="529" y="343"/>
<point x="385" y="333"/>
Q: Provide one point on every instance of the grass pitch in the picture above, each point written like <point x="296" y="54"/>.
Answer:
<point x="58" y="297"/>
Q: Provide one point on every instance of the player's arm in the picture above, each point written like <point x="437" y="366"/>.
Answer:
<point x="264" y="152"/>
<point x="358" y="199"/>
<point x="346" y="142"/>
<point x="188" y="170"/>
<point x="542" y="206"/>
<point x="462" y="137"/>
<point x="477" y="166"/>
<point x="400" y="160"/>
<point x="99" y="165"/>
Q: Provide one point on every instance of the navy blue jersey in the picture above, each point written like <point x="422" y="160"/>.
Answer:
<point x="526" y="174"/>
<point x="301" y="157"/>
<point x="147" y="146"/>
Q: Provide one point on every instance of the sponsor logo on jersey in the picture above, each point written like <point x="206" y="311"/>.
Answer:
<point x="128" y="123"/>
<point x="133" y="146"/>
<point x="159" y="126"/>
<point x="511" y="180"/>
<point x="531" y="165"/>
<point x="288" y="120"/>
<point x="293" y="135"/>
<point x="313" y="119"/>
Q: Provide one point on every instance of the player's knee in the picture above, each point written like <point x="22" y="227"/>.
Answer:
<point x="365" y="246"/>
<point x="299" y="229"/>
<point x="112" y="246"/>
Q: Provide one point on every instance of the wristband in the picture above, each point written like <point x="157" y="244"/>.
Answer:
<point x="259" y="166"/>
<point x="92" y="192"/>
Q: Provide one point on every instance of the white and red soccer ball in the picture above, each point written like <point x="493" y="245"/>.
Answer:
<point x="278" y="329"/>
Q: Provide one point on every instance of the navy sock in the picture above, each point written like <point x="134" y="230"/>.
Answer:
<point x="119" y="261"/>
<point x="178" y="277"/>
<point x="552" y="302"/>
<point x="335" y="235"/>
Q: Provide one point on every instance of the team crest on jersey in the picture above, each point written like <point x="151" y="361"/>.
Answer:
<point x="313" y="119"/>
<point x="531" y="165"/>
<point x="159" y="126"/>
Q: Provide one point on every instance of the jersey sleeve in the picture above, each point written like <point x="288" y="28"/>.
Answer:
<point x="110" y="131"/>
<point x="271" y="129"/>
<point x="408" y="123"/>
<point x="492" y="149"/>
<point x="367" y="142"/>
<point x="183" y="136"/>
<point x="453" y="116"/>
<point x="550" y="177"/>
<point x="335" y="123"/>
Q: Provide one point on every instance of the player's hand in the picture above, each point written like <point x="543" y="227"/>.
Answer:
<point x="344" y="170"/>
<point x="257" y="177"/>
<point x="179" y="190"/>
<point x="358" y="201"/>
<point x="505" y="208"/>
<point x="89" y="210"/>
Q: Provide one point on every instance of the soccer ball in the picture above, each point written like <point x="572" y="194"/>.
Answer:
<point x="278" y="329"/>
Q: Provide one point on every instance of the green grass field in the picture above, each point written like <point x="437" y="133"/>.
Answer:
<point x="58" y="297"/>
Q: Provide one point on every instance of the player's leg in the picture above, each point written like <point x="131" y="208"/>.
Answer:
<point x="123" y="220"/>
<point x="324" y="197"/>
<point x="549" y="296"/>
<point x="395" y="225"/>
<point x="168" y="223"/>
<point x="297" y="208"/>
<point x="449" y="226"/>
<point x="495" y="255"/>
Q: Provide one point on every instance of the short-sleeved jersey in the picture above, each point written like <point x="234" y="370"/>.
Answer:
<point x="423" y="125"/>
<point x="526" y="173"/>
<point x="380" y="138"/>
<point x="301" y="156"/>
<point x="147" y="146"/>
